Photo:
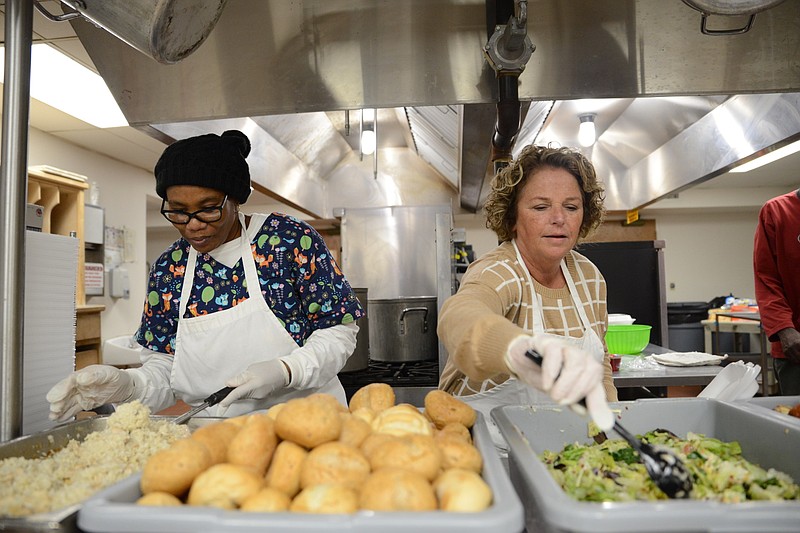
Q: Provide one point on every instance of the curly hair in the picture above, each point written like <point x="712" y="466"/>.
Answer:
<point x="501" y="206"/>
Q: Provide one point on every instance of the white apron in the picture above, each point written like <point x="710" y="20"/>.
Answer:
<point x="514" y="392"/>
<point x="212" y="348"/>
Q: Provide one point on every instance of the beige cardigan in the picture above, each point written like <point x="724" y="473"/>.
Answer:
<point x="492" y="307"/>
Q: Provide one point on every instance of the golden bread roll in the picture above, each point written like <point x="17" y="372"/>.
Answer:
<point x="458" y="453"/>
<point x="401" y="420"/>
<point x="443" y="408"/>
<point x="284" y="470"/>
<point x="173" y="469"/>
<point x="334" y="463"/>
<point x="375" y="396"/>
<point x="217" y="437"/>
<point x="374" y="441"/>
<point x="325" y="499"/>
<point x="224" y="486"/>
<point x="254" y="444"/>
<point x="397" y="489"/>
<point x="266" y="500"/>
<point x="354" y="430"/>
<point x="273" y="411"/>
<point x="364" y="413"/>
<point x="308" y="422"/>
<point x="462" y="491"/>
<point x="418" y="453"/>
<point x="237" y="421"/>
<point x="329" y="398"/>
<point x="159" y="499"/>
<point x="455" y="429"/>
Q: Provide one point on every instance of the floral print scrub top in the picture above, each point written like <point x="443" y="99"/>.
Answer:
<point x="300" y="282"/>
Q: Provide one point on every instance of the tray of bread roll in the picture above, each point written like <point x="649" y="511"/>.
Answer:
<point x="313" y="464"/>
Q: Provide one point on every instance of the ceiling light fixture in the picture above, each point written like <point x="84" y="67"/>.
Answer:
<point x="586" y="131"/>
<point x="769" y="157"/>
<point x="368" y="136"/>
<point x="61" y="82"/>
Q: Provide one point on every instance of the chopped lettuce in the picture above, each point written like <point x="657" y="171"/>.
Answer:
<point x="611" y="471"/>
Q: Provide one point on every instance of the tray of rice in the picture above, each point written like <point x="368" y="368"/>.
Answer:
<point x="45" y="477"/>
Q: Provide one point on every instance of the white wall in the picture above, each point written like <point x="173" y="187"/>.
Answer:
<point x="123" y="192"/>
<point x="708" y="254"/>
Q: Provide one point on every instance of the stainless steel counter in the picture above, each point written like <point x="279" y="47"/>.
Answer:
<point x="662" y="376"/>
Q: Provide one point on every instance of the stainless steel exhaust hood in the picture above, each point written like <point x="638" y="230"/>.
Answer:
<point x="286" y="71"/>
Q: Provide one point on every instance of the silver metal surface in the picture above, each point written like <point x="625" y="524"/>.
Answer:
<point x="267" y="58"/>
<point x="445" y="272"/>
<point x="739" y="129"/>
<point x="276" y="57"/>
<point x="166" y="30"/>
<point x="404" y="329"/>
<point x="13" y="179"/>
<point x="392" y="250"/>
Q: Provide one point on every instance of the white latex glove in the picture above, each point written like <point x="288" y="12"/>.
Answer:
<point x="88" y="388"/>
<point x="257" y="382"/>
<point x="568" y="374"/>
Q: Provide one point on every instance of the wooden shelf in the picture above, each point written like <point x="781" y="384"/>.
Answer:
<point x="62" y="198"/>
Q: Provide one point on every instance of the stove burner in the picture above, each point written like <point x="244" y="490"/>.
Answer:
<point x="406" y="374"/>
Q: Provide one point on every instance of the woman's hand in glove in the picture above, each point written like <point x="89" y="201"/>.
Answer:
<point x="568" y="374"/>
<point x="88" y="388"/>
<point x="257" y="382"/>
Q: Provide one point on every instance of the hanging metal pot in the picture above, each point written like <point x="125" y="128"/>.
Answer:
<point x="166" y="30"/>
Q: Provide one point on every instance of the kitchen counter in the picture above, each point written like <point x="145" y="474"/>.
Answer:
<point x="662" y="376"/>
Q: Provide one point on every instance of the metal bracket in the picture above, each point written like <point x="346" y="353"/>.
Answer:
<point x="509" y="48"/>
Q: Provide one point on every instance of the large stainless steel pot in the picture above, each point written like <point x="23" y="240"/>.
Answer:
<point x="359" y="360"/>
<point x="403" y="329"/>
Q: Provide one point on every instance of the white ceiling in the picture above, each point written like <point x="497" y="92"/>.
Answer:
<point x="138" y="149"/>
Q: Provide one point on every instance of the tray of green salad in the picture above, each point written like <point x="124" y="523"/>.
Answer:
<point x="743" y="464"/>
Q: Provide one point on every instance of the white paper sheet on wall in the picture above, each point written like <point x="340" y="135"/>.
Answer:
<point x="51" y="265"/>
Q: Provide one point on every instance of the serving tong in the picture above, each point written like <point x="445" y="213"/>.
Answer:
<point x="213" y="399"/>
<point x="664" y="467"/>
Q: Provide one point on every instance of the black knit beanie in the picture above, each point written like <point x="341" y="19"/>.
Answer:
<point x="211" y="160"/>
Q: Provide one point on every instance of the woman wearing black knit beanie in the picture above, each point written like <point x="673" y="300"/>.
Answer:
<point x="255" y="303"/>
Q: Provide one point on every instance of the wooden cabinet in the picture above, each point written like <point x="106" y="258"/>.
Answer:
<point x="61" y="195"/>
<point x="87" y="335"/>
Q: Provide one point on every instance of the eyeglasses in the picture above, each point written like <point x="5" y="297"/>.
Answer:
<point x="207" y="214"/>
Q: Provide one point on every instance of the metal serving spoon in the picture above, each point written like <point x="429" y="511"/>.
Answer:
<point x="664" y="467"/>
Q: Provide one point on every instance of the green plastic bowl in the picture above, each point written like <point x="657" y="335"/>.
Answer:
<point x="629" y="339"/>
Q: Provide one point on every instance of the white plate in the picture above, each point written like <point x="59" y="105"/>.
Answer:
<point x="687" y="358"/>
<point x="620" y="319"/>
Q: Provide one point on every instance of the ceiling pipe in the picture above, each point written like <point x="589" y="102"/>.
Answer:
<point x="508" y="50"/>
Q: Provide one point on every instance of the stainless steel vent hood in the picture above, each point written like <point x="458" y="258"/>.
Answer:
<point x="673" y="99"/>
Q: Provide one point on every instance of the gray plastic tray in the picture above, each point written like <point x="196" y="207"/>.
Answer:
<point x="765" y="440"/>
<point x="114" y="510"/>
<point x="769" y="403"/>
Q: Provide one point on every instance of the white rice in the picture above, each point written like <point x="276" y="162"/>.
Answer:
<point x="72" y="474"/>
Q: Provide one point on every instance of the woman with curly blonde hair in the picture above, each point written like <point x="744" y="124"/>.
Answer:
<point x="533" y="292"/>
